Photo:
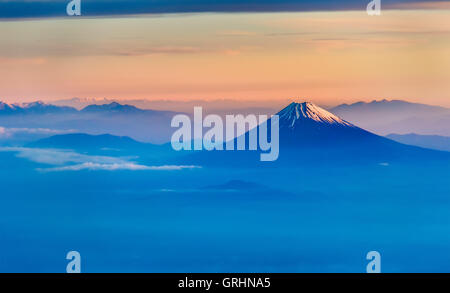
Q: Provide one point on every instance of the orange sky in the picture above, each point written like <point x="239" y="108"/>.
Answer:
<point x="328" y="58"/>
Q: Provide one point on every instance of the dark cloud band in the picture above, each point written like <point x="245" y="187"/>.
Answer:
<point x="57" y="8"/>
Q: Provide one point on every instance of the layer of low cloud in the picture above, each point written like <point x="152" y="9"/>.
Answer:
<point x="58" y="157"/>
<point x="9" y="132"/>
<point x="116" y="166"/>
<point x="65" y="160"/>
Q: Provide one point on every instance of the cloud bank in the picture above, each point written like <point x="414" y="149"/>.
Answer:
<point x="65" y="160"/>
<point x="116" y="166"/>
<point x="8" y="132"/>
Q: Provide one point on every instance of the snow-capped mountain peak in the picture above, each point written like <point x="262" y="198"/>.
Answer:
<point x="33" y="104"/>
<point x="4" y="106"/>
<point x="305" y="111"/>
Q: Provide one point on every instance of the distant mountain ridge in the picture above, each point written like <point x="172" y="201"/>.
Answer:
<point x="212" y="106"/>
<point x="85" y="141"/>
<point x="112" y="107"/>
<point x="113" y="118"/>
<point x="40" y="107"/>
<point x="396" y="116"/>
<point x="116" y="108"/>
<point x="33" y="108"/>
<point x="393" y="105"/>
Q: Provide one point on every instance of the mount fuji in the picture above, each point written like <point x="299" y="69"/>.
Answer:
<point x="316" y="135"/>
<point x="309" y="134"/>
<point x="306" y="124"/>
<point x="308" y="127"/>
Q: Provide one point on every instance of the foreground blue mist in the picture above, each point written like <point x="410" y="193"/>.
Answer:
<point x="302" y="219"/>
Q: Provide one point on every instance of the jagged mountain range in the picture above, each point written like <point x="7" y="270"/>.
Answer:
<point x="114" y="118"/>
<point x="301" y="123"/>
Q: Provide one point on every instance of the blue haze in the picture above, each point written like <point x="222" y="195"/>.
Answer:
<point x="333" y="196"/>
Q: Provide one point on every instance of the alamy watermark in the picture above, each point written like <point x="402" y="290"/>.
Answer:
<point x="74" y="266"/>
<point x="374" y="7"/>
<point x="74" y="8"/>
<point x="257" y="135"/>
<point x="374" y="266"/>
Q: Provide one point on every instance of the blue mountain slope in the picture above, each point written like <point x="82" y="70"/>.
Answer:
<point x="436" y="142"/>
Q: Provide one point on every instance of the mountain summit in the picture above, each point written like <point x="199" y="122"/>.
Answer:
<point x="297" y="113"/>
<point x="308" y="125"/>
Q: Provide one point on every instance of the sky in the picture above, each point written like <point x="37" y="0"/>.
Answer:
<point x="313" y="50"/>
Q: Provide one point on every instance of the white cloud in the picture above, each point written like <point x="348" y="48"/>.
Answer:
<point x="58" y="157"/>
<point x="72" y="161"/>
<point x="117" y="166"/>
<point x="8" y="132"/>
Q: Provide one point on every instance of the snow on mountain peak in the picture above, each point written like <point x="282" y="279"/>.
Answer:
<point x="7" y="106"/>
<point x="33" y="104"/>
<point x="309" y="111"/>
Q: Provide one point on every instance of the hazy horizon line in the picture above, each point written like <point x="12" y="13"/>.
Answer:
<point x="248" y="103"/>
